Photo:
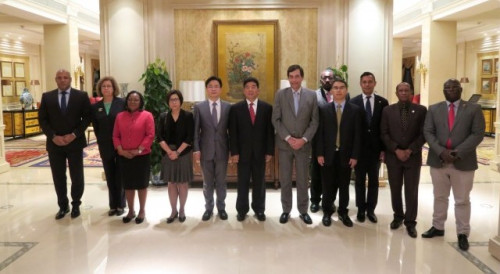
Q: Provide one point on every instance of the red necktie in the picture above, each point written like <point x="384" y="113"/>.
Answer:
<point x="451" y="120"/>
<point x="252" y="113"/>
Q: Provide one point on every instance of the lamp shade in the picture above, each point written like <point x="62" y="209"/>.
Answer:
<point x="464" y="80"/>
<point x="285" y="83"/>
<point x="35" y="82"/>
<point x="192" y="91"/>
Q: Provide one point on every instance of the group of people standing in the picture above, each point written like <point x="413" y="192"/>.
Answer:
<point x="340" y="134"/>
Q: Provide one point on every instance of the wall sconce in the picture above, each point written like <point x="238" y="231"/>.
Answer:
<point x="79" y="71"/>
<point x="464" y="80"/>
<point x="422" y="69"/>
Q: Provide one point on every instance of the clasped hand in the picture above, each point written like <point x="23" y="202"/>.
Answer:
<point x="448" y="156"/>
<point x="63" y="140"/>
<point x="296" y="143"/>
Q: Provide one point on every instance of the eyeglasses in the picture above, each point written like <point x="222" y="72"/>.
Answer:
<point x="133" y="100"/>
<point x="174" y="100"/>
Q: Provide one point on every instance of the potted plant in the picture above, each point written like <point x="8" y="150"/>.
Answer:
<point x="157" y="84"/>
<point x="340" y="72"/>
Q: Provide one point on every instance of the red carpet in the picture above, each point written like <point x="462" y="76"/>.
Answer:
<point x="23" y="156"/>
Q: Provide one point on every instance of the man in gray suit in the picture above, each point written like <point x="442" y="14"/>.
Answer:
<point x="211" y="146"/>
<point x="295" y="119"/>
<point x="453" y="129"/>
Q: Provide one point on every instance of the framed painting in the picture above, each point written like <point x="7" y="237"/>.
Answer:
<point x="7" y="89"/>
<point x="486" y="85"/>
<point x="244" y="49"/>
<point x="486" y="66"/>
<point x="6" y="69"/>
<point x="19" y="70"/>
<point x="495" y="66"/>
<point x="20" y="85"/>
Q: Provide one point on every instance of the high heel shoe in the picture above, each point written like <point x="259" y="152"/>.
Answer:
<point x="172" y="219"/>
<point x="139" y="220"/>
<point x="182" y="218"/>
<point x="128" y="218"/>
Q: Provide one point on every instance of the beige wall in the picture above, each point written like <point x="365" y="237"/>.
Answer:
<point x="194" y="40"/>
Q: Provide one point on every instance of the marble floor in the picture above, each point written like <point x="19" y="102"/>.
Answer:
<point x="31" y="241"/>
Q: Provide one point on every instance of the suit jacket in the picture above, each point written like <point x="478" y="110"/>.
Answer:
<point x="394" y="137"/>
<point x="350" y="133"/>
<point x="286" y="123"/>
<point x="251" y="142"/>
<point x="321" y="97"/>
<point x="75" y="120"/>
<point x="212" y="141"/>
<point x="371" y="136"/>
<point x="466" y="134"/>
<point x="104" y="123"/>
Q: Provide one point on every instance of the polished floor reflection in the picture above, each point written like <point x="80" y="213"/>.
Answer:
<point x="31" y="241"/>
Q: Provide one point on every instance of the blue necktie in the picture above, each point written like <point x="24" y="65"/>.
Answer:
<point x="368" y="109"/>
<point x="63" y="102"/>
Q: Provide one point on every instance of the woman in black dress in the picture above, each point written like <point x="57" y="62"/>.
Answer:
<point x="175" y="135"/>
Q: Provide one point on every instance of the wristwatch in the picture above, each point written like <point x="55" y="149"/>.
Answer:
<point x="139" y="150"/>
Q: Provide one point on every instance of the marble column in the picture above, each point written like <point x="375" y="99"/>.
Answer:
<point x="4" y="165"/>
<point x="397" y="71"/>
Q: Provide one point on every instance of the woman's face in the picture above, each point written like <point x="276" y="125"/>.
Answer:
<point x="174" y="102"/>
<point x="133" y="102"/>
<point x="107" y="89"/>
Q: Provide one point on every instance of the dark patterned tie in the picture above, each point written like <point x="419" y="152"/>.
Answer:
<point x="252" y="113"/>
<point x="214" y="114"/>
<point x="368" y="109"/>
<point x="404" y="116"/>
<point x="339" y="118"/>
<point x="63" y="102"/>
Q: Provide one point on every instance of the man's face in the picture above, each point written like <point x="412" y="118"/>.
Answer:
<point x="63" y="80"/>
<point x="403" y="93"/>
<point x="295" y="79"/>
<point x="452" y="90"/>
<point x="326" y="79"/>
<point x="213" y="90"/>
<point x="367" y="84"/>
<point x="251" y="91"/>
<point x="339" y="92"/>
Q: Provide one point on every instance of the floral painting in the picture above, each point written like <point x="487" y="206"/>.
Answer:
<point x="245" y="49"/>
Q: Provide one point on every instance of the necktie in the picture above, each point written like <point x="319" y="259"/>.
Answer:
<point x="63" y="102"/>
<point x="339" y="118"/>
<point x="296" y="97"/>
<point x="252" y="113"/>
<point x="368" y="109"/>
<point x="214" y="114"/>
<point x="404" y="116"/>
<point x="451" y="120"/>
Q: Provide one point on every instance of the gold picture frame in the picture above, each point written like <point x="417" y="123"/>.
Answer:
<point x="495" y="65"/>
<point x="244" y="49"/>
<point x="6" y="69"/>
<point x="20" y="85"/>
<point x="486" y="85"/>
<point x="19" y="70"/>
<point x="486" y="66"/>
<point x="7" y="89"/>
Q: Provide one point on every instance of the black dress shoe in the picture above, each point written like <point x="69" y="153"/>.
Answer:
<point x="222" y="215"/>
<point x="284" y="217"/>
<point x="61" y="213"/>
<point x="306" y="218"/>
<point x="372" y="217"/>
<point x="240" y="217"/>
<point x="360" y="217"/>
<point x="182" y="218"/>
<point x="432" y="232"/>
<point x="463" y="243"/>
<point x="314" y="207"/>
<point x="172" y="218"/>
<point x="120" y="211"/>
<point x="395" y="224"/>
<point x="75" y="212"/>
<point x="206" y="216"/>
<point x="128" y="218"/>
<point x="112" y="212"/>
<point x="261" y="216"/>
<point x="345" y="220"/>
<point x="139" y="220"/>
<point x="327" y="220"/>
<point x="411" y="231"/>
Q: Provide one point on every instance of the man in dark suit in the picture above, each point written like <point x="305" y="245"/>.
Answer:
<point x="402" y="131"/>
<point x="64" y="115"/>
<point x="211" y="146"/>
<point x="372" y="151"/>
<point x="338" y="143"/>
<point x="295" y="118"/>
<point x="453" y="129"/>
<point x="252" y="146"/>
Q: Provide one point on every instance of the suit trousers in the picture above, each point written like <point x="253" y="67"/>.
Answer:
<point x="368" y="164"/>
<point x="57" y="160"/>
<point x="444" y="179"/>
<point x="301" y="157"/>
<point x="335" y="177"/>
<point x="114" y="182"/>
<point x="407" y="174"/>
<point x="256" y="171"/>
<point x="316" y="182"/>
<point x="214" y="177"/>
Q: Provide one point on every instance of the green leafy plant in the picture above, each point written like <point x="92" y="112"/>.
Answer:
<point x="157" y="84"/>
<point x="340" y="72"/>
